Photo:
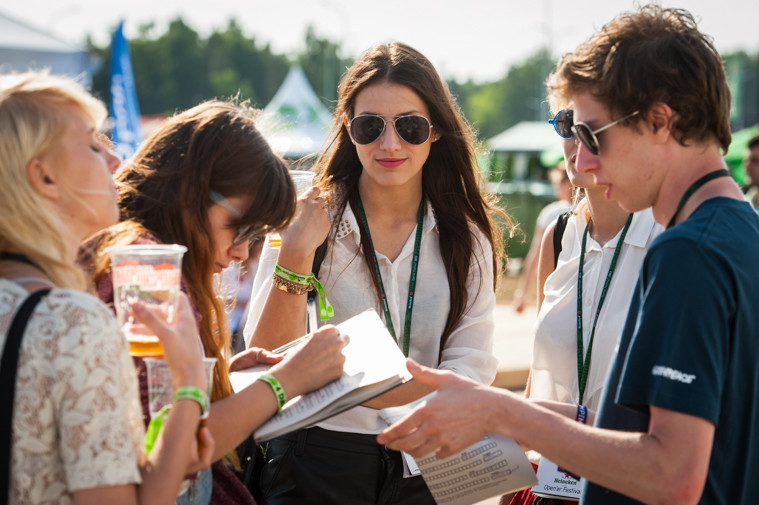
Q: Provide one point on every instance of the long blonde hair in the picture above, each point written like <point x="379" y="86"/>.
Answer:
<point x="32" y="121"/>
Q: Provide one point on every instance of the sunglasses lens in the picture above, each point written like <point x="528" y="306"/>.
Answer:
<point x="413" y="129"/>
<point x="244" y="234"/>
<point x="585" y="135"/>
<point x="563" y="125"/>
<point x="366" y="129"/>
<point x="563" y="122"/>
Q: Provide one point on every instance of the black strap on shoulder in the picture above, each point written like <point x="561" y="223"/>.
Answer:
<point x="319" y="255"/>
<point x="8" y="366"/>
<point x="558" y="233"/>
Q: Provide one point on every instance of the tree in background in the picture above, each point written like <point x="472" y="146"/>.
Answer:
<point x="520" y="95"/>
<point x="323" y="66"/>
<point x="178" y="69"/>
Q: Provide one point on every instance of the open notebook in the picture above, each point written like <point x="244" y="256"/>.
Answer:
<point x="373" y="365"/>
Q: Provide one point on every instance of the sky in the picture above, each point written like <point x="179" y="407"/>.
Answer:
<point x="464" y="39"/>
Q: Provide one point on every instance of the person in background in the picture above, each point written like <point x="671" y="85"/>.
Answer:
<point x="679" y="414"/>
<point x="76" y="425"/>
<point x="207" y="179"/>
<point x="562" y="188"/>
<point x="604" y="244"/>
<point x="408" y="233"/>
<point x="751" y="164"/>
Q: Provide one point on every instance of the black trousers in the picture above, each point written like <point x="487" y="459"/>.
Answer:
<point x="323" y="467"/>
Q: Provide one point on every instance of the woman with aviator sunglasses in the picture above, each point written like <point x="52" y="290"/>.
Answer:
<point x="602" y="249"/>
<point x="207" y="179"/>
<point x="409" y="234"/>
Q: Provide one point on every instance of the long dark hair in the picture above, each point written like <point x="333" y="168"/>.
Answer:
<point x="164" y="191"/>
<point x="450" y="176"/>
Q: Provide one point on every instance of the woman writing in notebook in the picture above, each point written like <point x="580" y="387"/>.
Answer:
<point x="207" y="179"/>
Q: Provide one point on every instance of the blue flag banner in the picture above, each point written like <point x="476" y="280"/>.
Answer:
<point x="125" y="110"/>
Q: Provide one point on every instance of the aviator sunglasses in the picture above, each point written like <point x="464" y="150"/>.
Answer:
<point x="414" y="130"/>
<point x="244" y="234"/>
<point x="588" y="137"/>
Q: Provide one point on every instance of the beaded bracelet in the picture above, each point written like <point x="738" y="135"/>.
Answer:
<point x="289" y="286"/>
<point x="298" y="284"/>
<point x="192" y="393"/>
<point x="279" y="391"/>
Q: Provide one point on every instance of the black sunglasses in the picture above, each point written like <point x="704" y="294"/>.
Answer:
<point x="414" y="130"/>
<point x="562" y="123"/>
<point x="588" y="137"/>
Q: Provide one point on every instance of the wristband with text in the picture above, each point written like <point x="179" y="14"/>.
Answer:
<point x="279" y="391"/>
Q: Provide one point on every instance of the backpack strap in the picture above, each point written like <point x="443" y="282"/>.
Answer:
<point x="8" y="367"/>
<point x="558" y="233"/>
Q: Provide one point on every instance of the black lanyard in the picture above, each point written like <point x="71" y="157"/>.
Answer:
<point x="583" y="362"/>
<point x="20" y="258"/>
<point x="412" y="279"/>
<point x="695" y="187"/>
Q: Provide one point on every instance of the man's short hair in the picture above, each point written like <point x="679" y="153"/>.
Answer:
<point x="754" y="142"/>
<point x="654" y="55"/>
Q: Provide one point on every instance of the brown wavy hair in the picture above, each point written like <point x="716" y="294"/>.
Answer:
<point x="450" y="176"/>
<point x="654" y="55"/>
<point x="163" y="192"/>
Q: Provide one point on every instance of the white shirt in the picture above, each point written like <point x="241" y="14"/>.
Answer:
<point x="77" y="420"/>
<point x="349" y="288"/>
<point x="554" y="360"/>
<point x="551" y="213"/>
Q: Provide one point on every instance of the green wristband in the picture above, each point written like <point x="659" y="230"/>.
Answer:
<point x="289" y="275"/>
<point x="154" y="428"/>
<point x="279" y="391"/>
<point x="192" y="393"/>
<point x="325" y="308"/>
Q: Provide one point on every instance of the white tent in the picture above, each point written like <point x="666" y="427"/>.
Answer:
<point x="527" y="136"/>
<point x="295" y="121"/>
<point x="525" y="140"/>
<point x="23" y="47"/>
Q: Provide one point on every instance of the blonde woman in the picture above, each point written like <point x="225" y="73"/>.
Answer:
<point x="76" y="429"/>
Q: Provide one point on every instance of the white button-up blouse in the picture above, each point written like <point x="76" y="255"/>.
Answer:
<point x="349" y="287"/>
<point x="554" y="360"/>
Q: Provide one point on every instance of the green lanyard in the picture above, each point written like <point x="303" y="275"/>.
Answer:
<point x="583" y="365"/>
<point x="695" y="187"/>
<point x="412" y="279"/>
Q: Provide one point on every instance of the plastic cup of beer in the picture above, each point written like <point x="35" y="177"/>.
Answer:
<point x="303" y="180"/>
<point x="161" y="386"/>
<point x="151" y="275"/>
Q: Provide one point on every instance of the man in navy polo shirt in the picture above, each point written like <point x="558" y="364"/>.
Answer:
<point x="679" y="421"/>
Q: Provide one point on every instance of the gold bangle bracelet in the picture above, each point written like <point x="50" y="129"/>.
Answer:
<point x="290" y="287"/>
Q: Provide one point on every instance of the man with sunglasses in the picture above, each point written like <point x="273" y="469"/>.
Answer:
<point x="679" y="420"/>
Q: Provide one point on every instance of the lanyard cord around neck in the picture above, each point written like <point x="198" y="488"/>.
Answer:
<point x="412" y="279"/>
<point x="20" y="258"/>
<point x="695" y="187"/>
<point x="583" y="365"/>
